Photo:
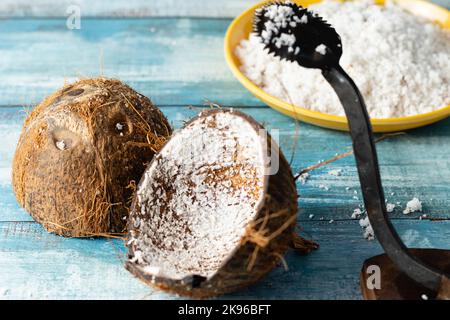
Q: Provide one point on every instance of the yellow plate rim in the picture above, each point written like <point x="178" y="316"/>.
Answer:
<point x="324" y="119"/>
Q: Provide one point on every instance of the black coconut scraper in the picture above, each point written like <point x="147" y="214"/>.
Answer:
<point x="298" y="35"/>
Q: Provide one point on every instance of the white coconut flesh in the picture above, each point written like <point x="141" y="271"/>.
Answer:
<point x="198" y="197"/>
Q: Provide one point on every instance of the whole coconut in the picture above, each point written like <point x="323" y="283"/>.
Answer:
<point x="80" y="151"/>
<point x="215" y="210"/>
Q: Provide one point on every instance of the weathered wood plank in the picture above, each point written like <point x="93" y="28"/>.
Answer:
<point x="131" y="8"/>
<point x="414" y="164"/>
<point x="38" y="265"/>
<point x="173" y="61"/>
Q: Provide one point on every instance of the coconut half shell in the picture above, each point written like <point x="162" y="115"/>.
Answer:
<point x="215" y="209"/>
<point x="80" y="151"/>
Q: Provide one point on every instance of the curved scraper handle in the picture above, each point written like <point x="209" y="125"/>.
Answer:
<point x="372" y="190"/>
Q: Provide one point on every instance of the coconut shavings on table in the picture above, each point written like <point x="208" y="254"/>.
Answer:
<point x="390" y="207"/>
<point x="413" y="206"/>
<point x="368" y="232"/>
<point x="399" y="61"/>
<point x="357" y="213"/>
<point x="303" y="178"/>
<point x="335" y="172"/>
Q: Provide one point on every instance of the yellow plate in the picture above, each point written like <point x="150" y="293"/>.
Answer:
<point x="241" y="27"/>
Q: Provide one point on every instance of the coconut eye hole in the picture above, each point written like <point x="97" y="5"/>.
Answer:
<point x="64" y="139"/>
<point x="75" y="92"/>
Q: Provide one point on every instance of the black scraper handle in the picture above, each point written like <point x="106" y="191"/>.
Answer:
<point x="369" y="176"/>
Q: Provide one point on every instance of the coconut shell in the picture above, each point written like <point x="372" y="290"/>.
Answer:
<point x="80" y="151"/>
<point x="261" y="248"/>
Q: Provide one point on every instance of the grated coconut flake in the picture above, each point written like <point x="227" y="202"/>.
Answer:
<point x="413" y="206"/>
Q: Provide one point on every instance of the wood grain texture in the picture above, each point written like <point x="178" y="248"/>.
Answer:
<point x="177" y="62"/>
<point x="174" y="61"/>
<point x="46" y="266"/>
<point x="415" y="164"/>
<point x="128" y="8"/>
<point x="132" y="8"/>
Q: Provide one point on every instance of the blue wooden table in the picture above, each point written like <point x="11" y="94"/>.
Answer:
<point x="171" y="51"/>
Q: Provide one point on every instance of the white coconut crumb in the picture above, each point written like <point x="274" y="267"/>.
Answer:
<point x="335" y="172"/>
<point x="357" y="213"/>
<point x="198" y="196"/>
<point x="322" y="49"/>
<point x="408" y="66"/>
<point x="424" y="297"/>
<point x="347" y="188"/>
<point x="279" y="16"/>
<point x="413" y="206"/>
<point x="303" y="177"/>
<point x="119" y="126"/>
<point x="137" y="257"/>
<point x="368" y="232"/>
<point x="390" y="207"/>
<point x="61" y="145"/>
<point x="324" y="187"/>
<point x="152" y="270"/>
<point x="286" y="40"/>
<point x="303" y="19"/>
<point x="331" y="221"/>
<point x="311" y="216"/>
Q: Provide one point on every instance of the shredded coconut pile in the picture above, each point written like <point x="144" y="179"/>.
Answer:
<point x="198" y="197"/>
<point x="399" y="61"/>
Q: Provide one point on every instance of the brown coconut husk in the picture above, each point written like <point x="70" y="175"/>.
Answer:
<point x="265" y="240"/>
<point x="80" y="191"/>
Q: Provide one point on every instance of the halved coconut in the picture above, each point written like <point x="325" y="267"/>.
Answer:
<point x="215" y="209"/>
<point x="79" y="151"/>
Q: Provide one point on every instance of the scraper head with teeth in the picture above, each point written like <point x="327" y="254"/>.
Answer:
<point x="297" y="34"/>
